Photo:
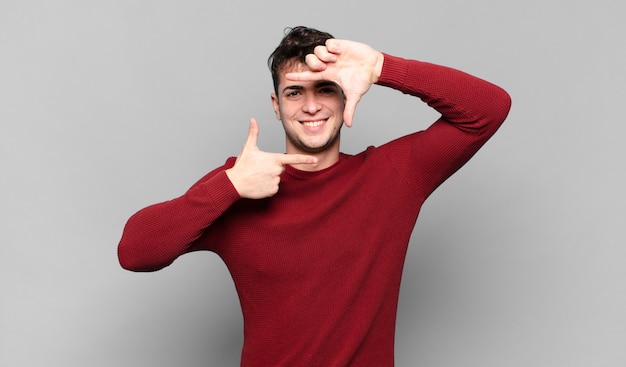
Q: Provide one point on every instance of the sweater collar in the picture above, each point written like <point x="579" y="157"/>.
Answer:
<point x="303" y="175"/>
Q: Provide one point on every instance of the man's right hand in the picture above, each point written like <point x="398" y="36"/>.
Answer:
<point x="354" y="66"/>
<point x="256" y="174"/>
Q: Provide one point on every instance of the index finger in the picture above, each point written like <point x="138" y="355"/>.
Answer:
<point x="296" y="159"/>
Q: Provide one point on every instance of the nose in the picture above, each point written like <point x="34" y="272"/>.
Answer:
<point x="311" y="105"/>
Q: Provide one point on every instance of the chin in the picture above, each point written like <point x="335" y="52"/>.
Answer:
<point x="316" y="148"/>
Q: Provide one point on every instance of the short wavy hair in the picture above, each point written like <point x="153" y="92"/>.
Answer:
<point x="295" y="45"/>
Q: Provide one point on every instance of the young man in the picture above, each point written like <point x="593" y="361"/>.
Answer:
<point x="316" y="239"/>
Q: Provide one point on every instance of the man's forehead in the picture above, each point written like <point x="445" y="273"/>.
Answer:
<point x="294" y="66"/>
<point x="291" y="67"/>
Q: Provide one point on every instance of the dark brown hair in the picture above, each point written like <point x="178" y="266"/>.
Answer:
<point x="297" y="43"/>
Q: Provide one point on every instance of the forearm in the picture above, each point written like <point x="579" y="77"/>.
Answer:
<point x="156" y="235"/>
<point x="470" y="103"/>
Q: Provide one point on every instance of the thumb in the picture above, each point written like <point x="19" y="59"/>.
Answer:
<point x="303" y="76"/>
<point x="350" y="108"/>
<point x="253" y="133"/>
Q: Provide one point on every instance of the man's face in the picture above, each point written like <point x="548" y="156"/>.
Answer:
<point x="311" y="112"/>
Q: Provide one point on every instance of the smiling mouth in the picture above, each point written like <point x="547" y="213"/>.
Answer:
<point x="313" y="123"/>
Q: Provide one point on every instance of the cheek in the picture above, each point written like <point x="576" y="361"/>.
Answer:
<point x="339" y="105"/>
<point x="287" y="110"/>
<point x="338" y="101"/>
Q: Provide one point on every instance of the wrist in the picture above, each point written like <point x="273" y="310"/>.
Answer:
<point x="394" y="72"/>
<point x="232" y="177"/>
<point x="378" y="67"/>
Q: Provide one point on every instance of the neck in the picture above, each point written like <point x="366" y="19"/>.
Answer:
<point x="325" y="159"/>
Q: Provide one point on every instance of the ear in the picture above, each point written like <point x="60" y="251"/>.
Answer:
<point x="276" y="106"/>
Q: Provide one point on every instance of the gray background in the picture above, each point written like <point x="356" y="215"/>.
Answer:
<point x="106" y="107"/>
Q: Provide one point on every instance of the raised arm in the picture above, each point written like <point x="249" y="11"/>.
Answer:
<point x="158" y="234"/>
<point x="471" y="109"/>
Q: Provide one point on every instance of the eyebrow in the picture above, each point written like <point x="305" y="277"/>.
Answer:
<point x="318" y="84"/>
<point x="292" y="87"/>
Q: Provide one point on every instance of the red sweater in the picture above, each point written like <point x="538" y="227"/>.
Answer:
<point x="317" y="267"/>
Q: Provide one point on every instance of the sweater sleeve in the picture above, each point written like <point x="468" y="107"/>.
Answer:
<point x="471" y="110"/>
<point x="158" y="234"/>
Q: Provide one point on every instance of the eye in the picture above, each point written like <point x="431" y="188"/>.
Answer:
<point x="292" y="93"/>
<point x="327" y="90"/>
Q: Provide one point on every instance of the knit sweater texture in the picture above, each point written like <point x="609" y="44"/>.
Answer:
<point x="317" y="267"/>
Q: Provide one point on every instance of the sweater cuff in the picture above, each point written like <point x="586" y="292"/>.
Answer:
<point x="218" y="192"/>
<point x="223" y="192"/>
<point x="394" y="71"/>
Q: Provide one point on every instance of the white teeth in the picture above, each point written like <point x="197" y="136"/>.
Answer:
<point x="312" y="123"/>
